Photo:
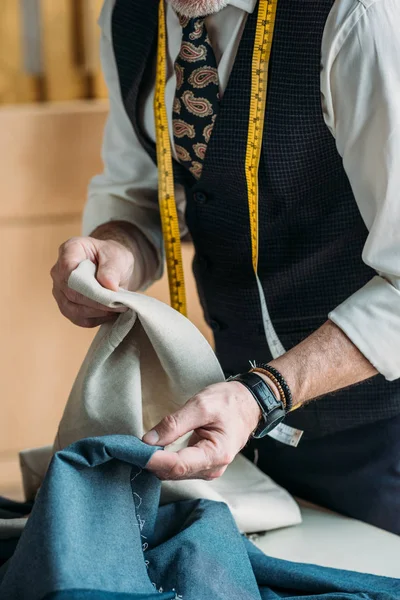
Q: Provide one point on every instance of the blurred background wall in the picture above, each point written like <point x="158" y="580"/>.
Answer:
<point x="48" y="50"/>
<point x="52" y="112"/>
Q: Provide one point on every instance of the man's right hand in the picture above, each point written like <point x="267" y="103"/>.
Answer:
<point x="115" y="265"/>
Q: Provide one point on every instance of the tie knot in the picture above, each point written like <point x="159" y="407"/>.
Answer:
<point x="195" y="23"/>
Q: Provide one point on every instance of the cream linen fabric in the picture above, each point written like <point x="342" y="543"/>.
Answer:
<point x="141" y="367"/>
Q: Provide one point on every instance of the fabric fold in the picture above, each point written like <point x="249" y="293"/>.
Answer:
<point x="143" y="366"/>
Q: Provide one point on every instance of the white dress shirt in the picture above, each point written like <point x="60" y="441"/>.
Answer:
<point x="360" y="96"/>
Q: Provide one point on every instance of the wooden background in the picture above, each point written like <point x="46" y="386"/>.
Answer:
<point x="47" y="155"/>
<point x="48" y="152"/>
<point x="69" y="45"/>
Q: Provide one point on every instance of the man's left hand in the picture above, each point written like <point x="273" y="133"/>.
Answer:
<point x="222" y="417"/>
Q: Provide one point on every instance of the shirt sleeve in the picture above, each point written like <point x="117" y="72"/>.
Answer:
<point x="127" y="188"/>
<point x="360" y="84"/>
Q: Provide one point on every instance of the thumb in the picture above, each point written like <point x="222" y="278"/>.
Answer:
<point x="111" y="267"/>
<point x="108" y="276"/>
<point x="174" y="426"/>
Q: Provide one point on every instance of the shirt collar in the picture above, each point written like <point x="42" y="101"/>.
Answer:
<point x="247" y="5"/>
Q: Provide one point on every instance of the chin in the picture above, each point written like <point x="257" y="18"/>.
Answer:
<point x="197" y="8"/>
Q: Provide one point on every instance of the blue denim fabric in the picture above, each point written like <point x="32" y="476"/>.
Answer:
<point x="97" y="532"/>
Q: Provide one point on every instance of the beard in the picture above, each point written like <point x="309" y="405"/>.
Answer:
<point x="197" y="8"/>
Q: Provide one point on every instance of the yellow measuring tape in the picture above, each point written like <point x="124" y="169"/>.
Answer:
<point x="166" y="195"/>
<point x="258" y="98"/>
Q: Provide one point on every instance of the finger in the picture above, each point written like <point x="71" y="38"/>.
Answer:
<point x="78" y="311"/>
<point x="173" y="466"/>
<point x="167" y="466"/>
<point x="194" y="439"/>
<point x="71" y="254"/>
<point x="90" y="323"/>
<point x="200" y="461"/>
<point x="193" y="415"/>
<point x="211" y="474"/>
<point x="79" y="299"/>
<point x="114" y="267"/>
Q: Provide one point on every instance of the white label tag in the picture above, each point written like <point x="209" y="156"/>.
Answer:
<point x="287" y="435"/>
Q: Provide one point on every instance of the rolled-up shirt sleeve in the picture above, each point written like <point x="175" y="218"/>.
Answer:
<point x="360" y="83"/>
<point x="127" y="188"/>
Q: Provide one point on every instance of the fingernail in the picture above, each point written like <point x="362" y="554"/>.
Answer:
<point x="151" y="437"/>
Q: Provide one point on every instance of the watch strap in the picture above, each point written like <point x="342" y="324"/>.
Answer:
<point x="279" y="381"/>
<point x="272" y="408"/>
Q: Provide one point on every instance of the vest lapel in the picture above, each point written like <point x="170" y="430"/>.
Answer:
<point x="134" y="34"/>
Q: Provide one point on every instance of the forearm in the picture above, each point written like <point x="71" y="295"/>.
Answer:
<point x="324" y="362"/>
<point x="146" y="262"/>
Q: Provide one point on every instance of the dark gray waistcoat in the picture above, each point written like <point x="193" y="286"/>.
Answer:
<point x="311" y="231"/>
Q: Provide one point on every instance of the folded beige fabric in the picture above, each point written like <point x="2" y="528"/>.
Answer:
<point x="34" y="463"/>
<point x="143" y="366"/>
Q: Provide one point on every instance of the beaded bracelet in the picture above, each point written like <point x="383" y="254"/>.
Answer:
<point x="280" y="382"/>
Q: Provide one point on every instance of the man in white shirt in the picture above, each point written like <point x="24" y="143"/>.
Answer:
<point x="329" y="269"/>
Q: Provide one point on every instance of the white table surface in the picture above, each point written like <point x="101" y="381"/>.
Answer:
<point x="327" y="539"/>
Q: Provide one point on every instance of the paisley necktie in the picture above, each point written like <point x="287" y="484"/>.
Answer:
<point x="197" y="95"/>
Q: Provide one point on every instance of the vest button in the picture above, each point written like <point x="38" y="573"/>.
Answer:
<point x="200" y="197"/>
<point x="215" y="326"/>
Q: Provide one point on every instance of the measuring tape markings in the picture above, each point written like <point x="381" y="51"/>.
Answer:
<point x="166" y="192"/>
<point x="258" y="99"/>
<point x="259" y="82"/>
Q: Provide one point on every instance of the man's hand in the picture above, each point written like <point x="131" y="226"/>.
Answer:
<point x="115" y="265"/>
<point x="124" y="258"/>
<point x="222" y="416"/>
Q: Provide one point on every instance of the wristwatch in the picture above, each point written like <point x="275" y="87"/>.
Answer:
<point x="272" y="409"/>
